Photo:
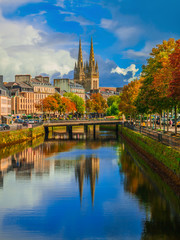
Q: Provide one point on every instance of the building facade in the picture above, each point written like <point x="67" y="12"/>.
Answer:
<point x="87" y="74"/>
<point x="67" y="85"/>
<point x="22" y="98"/>
<point x="27" y="92"/>
<point x="5" y="102"/>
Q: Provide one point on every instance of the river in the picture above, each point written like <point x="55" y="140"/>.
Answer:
<point x="96" y="189"/>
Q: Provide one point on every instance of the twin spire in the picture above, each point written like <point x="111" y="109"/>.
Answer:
<point x="91" y="57"/>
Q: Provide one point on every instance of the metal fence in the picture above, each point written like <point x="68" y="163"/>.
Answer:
<point x="166" y="138"/>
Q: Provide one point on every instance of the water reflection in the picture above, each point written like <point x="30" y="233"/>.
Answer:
<point x="161" y="221"/>
<point x="88" y="168"/>
<point x="47" y="192"/>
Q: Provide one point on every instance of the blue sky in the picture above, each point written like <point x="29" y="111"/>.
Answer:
<point x="41" y="36"/>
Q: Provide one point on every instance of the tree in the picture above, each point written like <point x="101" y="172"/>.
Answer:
<point x="78" y="101"/>
<point x="113" y="99"/>
<point x="48" y="104"/>
<point x="67" y="106"/>
<point x="96" y="103"/>
<point x="174" y="87"/>
<point x="156" y="75"/>
<point x="128" y="98"/>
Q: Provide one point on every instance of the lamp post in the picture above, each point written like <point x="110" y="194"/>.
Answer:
<point x="164" y="123"/>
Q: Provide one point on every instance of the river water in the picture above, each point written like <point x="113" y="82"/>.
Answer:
<point x="98" y="189"/>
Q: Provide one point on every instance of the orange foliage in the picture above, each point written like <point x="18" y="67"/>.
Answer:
<point x="175" y="65"/>
<point x="128" y="97"/>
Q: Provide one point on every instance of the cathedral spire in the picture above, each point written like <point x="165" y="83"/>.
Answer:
<point x="91" y="57"/>
<point x="80" y="58"/>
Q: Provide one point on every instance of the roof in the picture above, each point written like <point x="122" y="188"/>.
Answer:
<point x="24" y="85"/>
<point x="10" y="84"/>
<point x="103" y="89"/>
<point x="76" y="85"/>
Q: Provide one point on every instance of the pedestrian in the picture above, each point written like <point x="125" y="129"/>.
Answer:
<point x="170" y="123"/>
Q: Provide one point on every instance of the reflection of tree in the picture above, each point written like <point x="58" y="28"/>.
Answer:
<point x="89" y="169"/>
<point x="54" y="147"/>
<point x="160" y="222"/>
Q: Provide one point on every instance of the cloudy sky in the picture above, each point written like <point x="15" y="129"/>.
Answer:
<point x="41" y="36"/>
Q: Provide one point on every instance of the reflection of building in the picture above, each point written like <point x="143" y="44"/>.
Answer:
<point x="89" y="169"/>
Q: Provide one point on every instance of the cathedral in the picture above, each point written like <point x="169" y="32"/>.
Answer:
<point x="87" y="74"/>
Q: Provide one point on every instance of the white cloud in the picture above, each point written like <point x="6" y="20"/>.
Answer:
<point x="125" y="71"/>
<point x="11" y="5"/>
<point x="66" y="12"/>
<point x="38" y="14"/>
<point x="60" y="3"/>
<point x="141" y="54"/>
<point x="125" y="32"/>
<point x="108" y="23"/>
<point x="25" y="49"/>
<point x="82" y="21"/>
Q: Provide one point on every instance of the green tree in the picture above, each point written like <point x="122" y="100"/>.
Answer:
<point x="78" y="101"/>
<point x="113" y="99"/>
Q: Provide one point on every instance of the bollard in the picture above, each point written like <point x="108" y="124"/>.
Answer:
<point x="159" y="137"/>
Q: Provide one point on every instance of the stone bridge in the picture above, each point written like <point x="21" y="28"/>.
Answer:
<point x="85" y="123"/>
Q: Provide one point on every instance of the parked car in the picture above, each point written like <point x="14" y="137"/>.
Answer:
<point x="178" y="122"/>
<point x="19" y="120"/>
<point x="31" y="121"/>
<point x="1" y="127"/>
<point x="6" y="126"/>
<point x="25" y="123"/>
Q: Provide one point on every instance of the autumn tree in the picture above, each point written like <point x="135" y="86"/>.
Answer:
<point x="48" y="104"/>
<point x="156" y="74"/>
<point x="96" y="103"/>
<point x="174" y="86"/>
<point x="128" y="97"/>
<point x="78" y="101"/>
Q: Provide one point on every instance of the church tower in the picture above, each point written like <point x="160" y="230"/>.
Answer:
<point x="79" y="74"/>
<point x="87" y="75"/>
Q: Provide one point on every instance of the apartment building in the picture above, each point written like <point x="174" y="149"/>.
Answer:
<point x="68" y="85"/>
<point x="40" y="89"/>
<point x="22" y="98"/>
<point x="5" y="102"/>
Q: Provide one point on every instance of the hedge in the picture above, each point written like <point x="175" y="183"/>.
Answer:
<point x="18" y="136"/>
<point x="165" y="154"/>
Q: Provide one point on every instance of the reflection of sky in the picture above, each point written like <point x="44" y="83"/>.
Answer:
<point x="49" y="207"/>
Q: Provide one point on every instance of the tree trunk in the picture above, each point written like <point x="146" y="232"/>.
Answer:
<point x="167" y="120"/>
<point x="155" y="120"/>
<point x="147" y="120"/>
<point x="150" y="122"/>
<point x="175" y="112"/>
<point x="160" y="125"/>
<point x="141" y="120"/>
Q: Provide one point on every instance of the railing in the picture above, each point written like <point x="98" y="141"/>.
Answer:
<point x="167" y="139"/>
<point x="20" y="126"/>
